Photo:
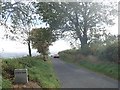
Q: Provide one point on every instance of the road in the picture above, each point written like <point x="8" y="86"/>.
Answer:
<point x="71" y="76"/>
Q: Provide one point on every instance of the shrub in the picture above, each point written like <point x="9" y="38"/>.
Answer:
<point x="6" y="84"/>
<point x="109" y="53"/>
<point x="8" y="68"/>
<point x="85" y="50"/>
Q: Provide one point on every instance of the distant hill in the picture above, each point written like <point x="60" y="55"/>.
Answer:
<point x="15" y="54"/>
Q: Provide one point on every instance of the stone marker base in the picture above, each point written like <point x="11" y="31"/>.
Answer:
<point x="21" y="76"/>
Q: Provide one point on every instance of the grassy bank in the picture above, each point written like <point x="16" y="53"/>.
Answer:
<point x="39" y="71"/>
<point x="91" y="63"/>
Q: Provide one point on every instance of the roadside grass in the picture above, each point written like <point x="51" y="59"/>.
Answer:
<point x="6" y="83"/>
<point x="103" y="67"/>
<point x="106" y="68"/>
<point x="38" y="70"/>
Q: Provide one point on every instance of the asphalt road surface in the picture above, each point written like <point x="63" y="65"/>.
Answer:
<point x="71" y="76"/>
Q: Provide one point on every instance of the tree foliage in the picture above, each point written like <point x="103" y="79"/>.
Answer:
<point x="19" y="17"/>
<point x="41" y="39"/>
<point x="109" y="52"/>
<point x="78" y="18"/>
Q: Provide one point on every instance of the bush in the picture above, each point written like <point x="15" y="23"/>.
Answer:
<point x="109" y="53"/>
<point x="8" y="67"/>
<point x="86" y="50"/>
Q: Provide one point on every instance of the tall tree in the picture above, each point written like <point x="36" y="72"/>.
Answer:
<point x="41" y="39"/>
<point x="20" y="17"/>
<point x="77" y="18"/>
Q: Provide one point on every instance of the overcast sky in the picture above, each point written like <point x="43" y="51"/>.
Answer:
<point x="15" y="46"/>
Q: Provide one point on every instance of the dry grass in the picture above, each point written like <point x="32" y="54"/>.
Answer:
<point x="30" y="84"/>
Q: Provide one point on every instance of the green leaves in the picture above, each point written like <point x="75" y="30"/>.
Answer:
<point x="80" y="17"/>
<point x="43" y="35"/>
<point x="41" y="39"/>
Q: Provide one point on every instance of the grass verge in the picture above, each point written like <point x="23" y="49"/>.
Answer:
<point x="38" y="70"/>
<point x="103" y="67"/>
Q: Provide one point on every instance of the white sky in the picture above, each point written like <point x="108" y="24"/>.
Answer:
<point x="8" y="46"/>
<point x="15" y="46"/>
<point x="59" y="45"/>
<point x="114" y="29"/>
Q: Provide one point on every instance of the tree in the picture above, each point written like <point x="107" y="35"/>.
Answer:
<point x="102" y="41"/>
<point x="23" y="23"/>
<point x="110" y="39"/>
<point x="20" y="17"/>
<point x="41" y="39"/>
<point x="77" y="18"/>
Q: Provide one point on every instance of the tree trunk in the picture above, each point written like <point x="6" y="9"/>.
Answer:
<point x="83" y="38"/>
<point x="83" y="41"/>
<point x="44" y="57"/>
<point x="29" y="48"/>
